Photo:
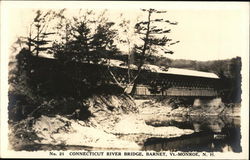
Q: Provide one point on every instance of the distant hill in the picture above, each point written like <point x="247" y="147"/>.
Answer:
<point x="229" y="68"/>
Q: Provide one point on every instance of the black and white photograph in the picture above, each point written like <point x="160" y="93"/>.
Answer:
<point x="89" y="79"/>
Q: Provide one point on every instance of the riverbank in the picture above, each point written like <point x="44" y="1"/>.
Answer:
<point x="104" y="121"/>
<point x="109" y="120"/>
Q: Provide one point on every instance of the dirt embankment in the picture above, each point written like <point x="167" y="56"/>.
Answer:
<point x="104" y="121"/>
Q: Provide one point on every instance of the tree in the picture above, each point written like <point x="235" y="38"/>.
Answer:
<point x="154" y="39"/>
<point x="39" y="32"/>
<point x="41" y="24"/>
<point x="75" y="40"/>
<point x="235" y="69"/>
<point x="103" y="40"/>
<point x="88" y="38"/>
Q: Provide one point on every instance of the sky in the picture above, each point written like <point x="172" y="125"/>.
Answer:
<point x="206" y="31"/>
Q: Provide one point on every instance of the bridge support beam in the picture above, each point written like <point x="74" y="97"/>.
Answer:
<point x="213" y="102"/>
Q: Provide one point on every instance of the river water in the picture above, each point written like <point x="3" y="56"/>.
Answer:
<point x="212" y="134"/>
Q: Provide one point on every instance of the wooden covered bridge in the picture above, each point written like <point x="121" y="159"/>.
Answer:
<point x="65" y="76"/>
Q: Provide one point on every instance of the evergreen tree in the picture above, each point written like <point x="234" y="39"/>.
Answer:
<point x="41" y="23"/>
<point x="154" y="39"/>
<point x="88" y="39"/>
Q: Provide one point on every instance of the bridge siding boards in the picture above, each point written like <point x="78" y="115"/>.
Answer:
<point x="143" y="90"/>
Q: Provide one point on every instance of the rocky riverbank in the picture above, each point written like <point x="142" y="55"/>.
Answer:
<point x="104" y="121"/>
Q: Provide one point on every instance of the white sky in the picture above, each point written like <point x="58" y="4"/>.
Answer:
<point x="206" y="31"/>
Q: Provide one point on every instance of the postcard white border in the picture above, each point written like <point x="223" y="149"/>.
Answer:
<point x="6" y="5"/>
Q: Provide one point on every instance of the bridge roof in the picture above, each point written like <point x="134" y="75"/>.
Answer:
<point x="180" y="71"/>
<point x="154" y="68"/>
<point x="187" y="72"/>
<point x="171" y="70"/>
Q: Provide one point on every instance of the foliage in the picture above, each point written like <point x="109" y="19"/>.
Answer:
<point x="23" y="95"/>
<point x="40" y="32"/>
<point x="19" y="78"/>
<point x="92" y="38"/>
<point x="87" y="39"/>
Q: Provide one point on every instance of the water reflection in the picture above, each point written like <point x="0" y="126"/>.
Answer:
<point x="212" y="133"/>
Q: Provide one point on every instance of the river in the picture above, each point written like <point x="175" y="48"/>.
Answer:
<point x="212" y="134"/>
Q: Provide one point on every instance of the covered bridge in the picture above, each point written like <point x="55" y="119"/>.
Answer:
<point x="61" y="76"/>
